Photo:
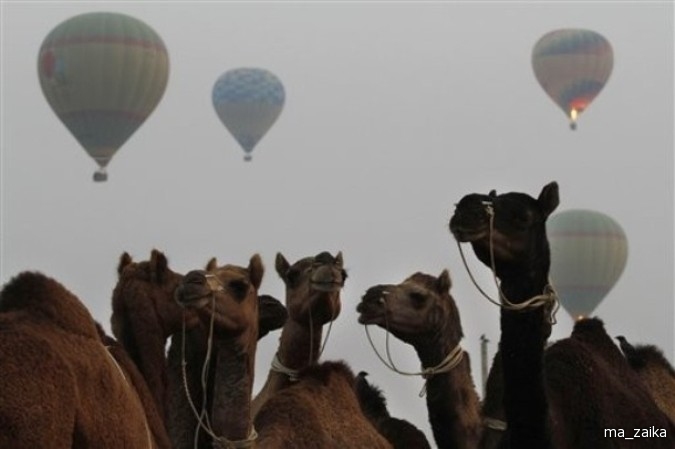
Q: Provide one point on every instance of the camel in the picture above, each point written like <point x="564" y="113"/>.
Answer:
<point x="313" y="287"/>
<point x="583" y="387"/>
<point x="182" y="423"/>
<point x="655" y="371"/>
<point x="399" y="432"/>
<point x="421" y="312"/>
<point x="145" y="315"/>
<point x="60" y="387"/>
<point x="320" y="410"/>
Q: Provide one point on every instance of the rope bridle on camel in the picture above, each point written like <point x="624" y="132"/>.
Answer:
<point x="548" y="298"/>
<point x="202" y="417"/>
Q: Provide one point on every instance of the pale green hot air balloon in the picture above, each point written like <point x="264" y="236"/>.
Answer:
<point x="572" y="66"/>
<point x="248" y="101"/>
<point x="103" y="74"/>
<point x="589" y="251"/>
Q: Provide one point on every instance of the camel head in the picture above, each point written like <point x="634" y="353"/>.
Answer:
<point x="511" y="225"/>
<point x="416" y="311"/>
<point x="313" y="287"/>
<point x="151" y="284"/>
<point x="228" y="295"/>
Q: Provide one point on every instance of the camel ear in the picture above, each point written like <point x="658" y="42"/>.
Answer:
<point x="125" y="259"/>
<point x="158" y="266"/>
<point x="281" y="265"/>
<point x="338" y="259"/>
<point x="256" y="270"/>
<point x="444" y="283"/>
<point x="212" y="264"/>
<point x="549" y="198"/>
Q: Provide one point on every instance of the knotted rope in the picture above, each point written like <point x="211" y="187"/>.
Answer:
<point x="495" y="424"/>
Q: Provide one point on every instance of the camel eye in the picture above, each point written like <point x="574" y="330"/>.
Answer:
<point x="292" y="277"/>
<point x="238" y="288"/>
<point x="417" y="299"/>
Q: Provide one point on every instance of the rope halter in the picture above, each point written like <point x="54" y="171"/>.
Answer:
<point x="453" y="359"/>
<point x="202" y="417"/>
<point x="549" y="297"/>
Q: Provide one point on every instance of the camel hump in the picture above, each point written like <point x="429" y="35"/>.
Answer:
<point x="39" y="295"/>
<point x="644" y="355"/>
<point x="323" y="372"/>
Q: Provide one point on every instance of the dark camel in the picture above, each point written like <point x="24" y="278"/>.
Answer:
<point x="583" y="385"/>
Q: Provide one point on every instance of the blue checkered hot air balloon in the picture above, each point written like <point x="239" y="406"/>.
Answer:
<point x="572" y="66"/>
<point x="248" y="101"/>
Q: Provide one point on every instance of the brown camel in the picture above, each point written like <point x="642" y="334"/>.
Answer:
<point x="60" y="387"/>
<point x="313" y="287"/>
<point x="399" y="432"/>
<point x="145" y="315"/>
<point x="320" y="410"/>
<point x="421" y="312"/>
<point x="182" y="422"/>
<point x="655" y="371"/>
<point x="583" y="386"/>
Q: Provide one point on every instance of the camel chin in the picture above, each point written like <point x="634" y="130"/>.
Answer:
<point x="468" y="235"/>
<point x="194" y="300"/>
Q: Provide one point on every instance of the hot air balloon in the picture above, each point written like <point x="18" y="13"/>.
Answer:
<point x="103" y="74"/>
<point x="572" y="66"/>
<point x="588" y="255"/>
<point x="248" y="101"/>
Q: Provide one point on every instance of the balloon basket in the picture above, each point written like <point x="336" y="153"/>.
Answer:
<point x="100" y="176"/>
<point x="248" y="158"/>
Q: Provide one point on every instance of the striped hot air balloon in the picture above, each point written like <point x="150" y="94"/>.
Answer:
<point x="248" y="101"/>
<point x="103" y="74"/>
<point x="572" y="66"/>
<point x="588" y="255"/>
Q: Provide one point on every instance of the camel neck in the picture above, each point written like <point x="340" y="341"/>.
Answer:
<point x="233" y="382"/>
<point x="452" y="401"/>
<point x="522" y="345"/>
<point x="299" y="345"/>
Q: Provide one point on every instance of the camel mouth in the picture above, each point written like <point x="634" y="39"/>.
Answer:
<point x="372" y="319"/>
<point x="191" y="295"/>
<point x="371" y="312"/>
<point x="326" y="286"/>
<point x="463" y="235"/>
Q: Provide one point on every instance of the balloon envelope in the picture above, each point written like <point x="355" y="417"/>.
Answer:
<point x="588" y="255"/>
<point x="103" y="74"/>
<point x="248" y="101"/>
<point x="572" y="66"/>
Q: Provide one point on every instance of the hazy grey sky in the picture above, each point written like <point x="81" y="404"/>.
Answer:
<point x="393" y="112"/>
